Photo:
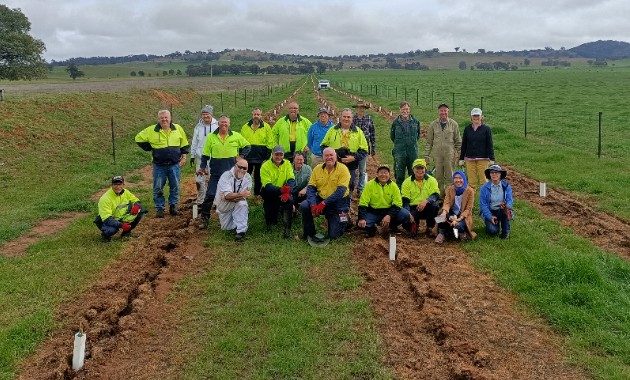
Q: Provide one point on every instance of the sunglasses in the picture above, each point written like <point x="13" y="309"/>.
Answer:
<point x="241" y="167"/>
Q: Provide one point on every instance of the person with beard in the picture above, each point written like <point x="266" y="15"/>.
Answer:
<point x="258" y="133"/>
<point x="278" y="181"/>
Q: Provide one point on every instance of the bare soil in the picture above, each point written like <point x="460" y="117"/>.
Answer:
<point x="438" y="317"/>
<point x="215" y="84"/>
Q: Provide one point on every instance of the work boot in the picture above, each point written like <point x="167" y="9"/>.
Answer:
<point x="172" y="209"/>
<point x="159" y="213"/>
<point x="239" y="236"/>
<point x="371" y="231"/>
<point x="287" y="220"/>
<point x="203" y="223"/>
<point x="106" y="238"/>
<point x="127" y="235"/>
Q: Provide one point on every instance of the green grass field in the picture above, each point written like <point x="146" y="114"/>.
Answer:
<point x="563" y="107"/>
<point x="55" y="158"/>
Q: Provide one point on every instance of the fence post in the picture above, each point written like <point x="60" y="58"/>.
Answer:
<point x="453" y="103"/>
<point x="113" y="141"/>
<point x="1" y="94"/>
<point x="234" y="98"/>
<point x="525" y="119"/>
<point x="245" y="96"/>
<point x="221" y="102"/>
<point x="481" y="103"/>
<point x="599" y="140"/>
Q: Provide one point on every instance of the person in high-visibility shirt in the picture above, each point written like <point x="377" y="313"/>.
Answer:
<point x="327" y="194"/>
<point x="349" y="142"/>
<point x="381" y="204"/>
<point x="118" y="209"/>
<point x="290" y="131"/>
<point x="278" y="181"/>
<point x="420" y="194"/>
<point x="168" y="145"/>
<point x="222" y="148"/>
<point x="258" y="133"/>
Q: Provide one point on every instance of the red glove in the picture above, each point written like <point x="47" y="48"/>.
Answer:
<point x="286" y="189"/>
<point x="135" y="209"/>
<point x="285" y="197"/>
<point x="126" y="227"/>
<point x="318" y="209"/>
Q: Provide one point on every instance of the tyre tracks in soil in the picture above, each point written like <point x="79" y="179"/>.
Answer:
<point x="130" y="321"/>
<point x="439" y="318"/>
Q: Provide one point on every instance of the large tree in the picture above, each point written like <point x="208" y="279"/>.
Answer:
<point x="20" y="53"/>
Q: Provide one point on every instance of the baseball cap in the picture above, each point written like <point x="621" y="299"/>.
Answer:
<point x="322" y="110"/>
<point x="277" y="149"/>
<point x="118" y="180"/>
<point x="476" y="112"/>
<point x="419" y="162"/>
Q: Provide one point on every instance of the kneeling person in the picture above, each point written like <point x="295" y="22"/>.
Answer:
<point x="420" y="193"/>
<point x="118" y="209"/>
<point x="327" y="193"/>
<point x="381" y="203"/>
<point x="277" y="179"/>
<point x="233" y="190"/>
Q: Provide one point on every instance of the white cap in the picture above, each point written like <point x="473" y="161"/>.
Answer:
<point x="476" y="112"/>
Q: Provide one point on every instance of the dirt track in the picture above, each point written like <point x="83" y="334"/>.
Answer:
<point x="438" y="317"/>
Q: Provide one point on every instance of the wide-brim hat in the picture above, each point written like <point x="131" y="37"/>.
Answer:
<point x="495" y="168"/>
<point x="318" y="240"/>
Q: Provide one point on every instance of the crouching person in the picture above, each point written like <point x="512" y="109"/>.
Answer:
<point x="457" y="211"/>
<point x="233" y="189"/>
<point x="420" y="193"/>
<point x="327" y="194"/>
<point x="118" y="209"/>
<point x="277" y="181"/>
<point x="495" y="202"/>
<point x="381" y="204"/>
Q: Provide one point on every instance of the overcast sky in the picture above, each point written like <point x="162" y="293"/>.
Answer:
<point x="85" y="28"/>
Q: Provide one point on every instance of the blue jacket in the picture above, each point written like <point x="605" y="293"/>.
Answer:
<point x="484" y="198"/>
<point x="315" y="135"/>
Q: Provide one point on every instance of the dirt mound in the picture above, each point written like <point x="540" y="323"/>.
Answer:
<point x="166" y="99"/>
<point x="125" y="313"/>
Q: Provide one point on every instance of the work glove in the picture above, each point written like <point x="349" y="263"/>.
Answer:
<point x="461" y="162"/>
<point x="135" y="209"/>
<point x="491" y="162"/>
<point x="192" y="161"/>
<point x="285" y="197"/>
<point x="286" y="189"/>
<point x="427" y="159"/>
<point x="126" y="227"/>
<point x="318" y="209"/>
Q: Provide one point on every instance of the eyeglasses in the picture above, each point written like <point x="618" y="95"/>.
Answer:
<point x="241" y="167"/>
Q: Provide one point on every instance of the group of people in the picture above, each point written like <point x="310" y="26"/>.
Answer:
<point x="271" y="162"/>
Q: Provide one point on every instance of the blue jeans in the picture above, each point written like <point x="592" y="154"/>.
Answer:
<point x="362" y="174"/>
<point x="333" y="214"/>
<point x="502" y="226"/>
<point x="160" y="175"/>
<point x="402" y="217"/>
